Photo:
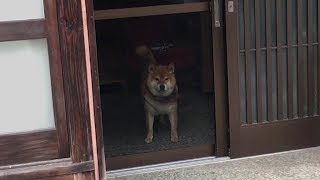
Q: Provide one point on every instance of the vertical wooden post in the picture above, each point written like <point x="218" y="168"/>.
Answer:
<point x="75" y="81"/>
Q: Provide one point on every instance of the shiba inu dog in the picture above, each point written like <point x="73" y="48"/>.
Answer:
<point x="160" y="92"/>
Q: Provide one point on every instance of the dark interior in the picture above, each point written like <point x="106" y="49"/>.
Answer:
<point x="172" y="38"/>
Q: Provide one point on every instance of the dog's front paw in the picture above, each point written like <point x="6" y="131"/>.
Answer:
<point x="174" y="137"/>
<point x="148" y="140"/>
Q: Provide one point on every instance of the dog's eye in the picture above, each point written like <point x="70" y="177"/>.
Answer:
<point x="166" y="79"/>
<point x="157" y="79"/>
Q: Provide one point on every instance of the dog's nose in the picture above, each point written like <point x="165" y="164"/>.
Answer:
<point x="162" y="87"/>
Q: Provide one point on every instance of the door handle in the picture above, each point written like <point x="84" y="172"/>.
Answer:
<point x="216" y="13"/>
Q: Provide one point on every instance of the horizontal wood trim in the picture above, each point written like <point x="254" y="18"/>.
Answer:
<point x="23" y="30"/>
<point x="66" y="177"/>
<point x="160" y="156"/>
<point x="28" y="147"/>
<point x="286" y="135"/>
<point x="37" y="163"/>
<point x="151" y="10"/>
<point x="47" y="169"/>
<point x="85" y="176"/>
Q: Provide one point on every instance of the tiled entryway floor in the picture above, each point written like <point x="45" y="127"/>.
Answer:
<point x="294" y="165"/>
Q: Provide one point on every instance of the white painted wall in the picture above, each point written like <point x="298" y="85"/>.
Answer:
<point x="25" y="86"/>
<point x="11" y="10"/>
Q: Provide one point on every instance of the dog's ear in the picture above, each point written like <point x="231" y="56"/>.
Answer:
<point x="171" y="68"/>
<point x="151" y="68"/>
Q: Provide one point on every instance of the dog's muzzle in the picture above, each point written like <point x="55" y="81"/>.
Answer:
<point x="162" y="87"/>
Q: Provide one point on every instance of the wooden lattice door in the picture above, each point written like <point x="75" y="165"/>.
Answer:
<point x="273" y="75"/>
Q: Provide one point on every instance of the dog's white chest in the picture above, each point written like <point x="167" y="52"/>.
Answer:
<point x="158" y="108"/>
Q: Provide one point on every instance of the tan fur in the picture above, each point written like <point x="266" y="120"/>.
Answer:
<point x="160" y="92"/>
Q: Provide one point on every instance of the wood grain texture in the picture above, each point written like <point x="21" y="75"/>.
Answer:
<point x="96" y="89"/>
<point x="32" y="164"/>
<point x="28" y="147"/>
<point x="22" y="30"/>
<point x="160" y="156"/>
<point x="272" y="136"/>
<point x="50" y="144"/>
<point x="48" y="170"/>
<point x="66" y="177"/>
<point x="151" y="10"/>
<point x="75" y="83"/>
<point x="233" y="64"/>
<point x="84" y="176"/>
<point x="220" y="86"/>
<point x="286" y="135"/>
<point x="57" y="78"/>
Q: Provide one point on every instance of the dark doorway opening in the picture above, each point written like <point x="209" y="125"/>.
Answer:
<point x="184" y="39"/>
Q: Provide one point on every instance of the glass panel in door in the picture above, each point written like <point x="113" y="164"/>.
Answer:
<point x="11" y="10"/>
<point x="25" y="93"/>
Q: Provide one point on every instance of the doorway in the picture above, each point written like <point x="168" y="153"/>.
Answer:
<point x="177" y="32"/>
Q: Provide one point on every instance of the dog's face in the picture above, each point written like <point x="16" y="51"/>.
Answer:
<point x="161" y="80"/>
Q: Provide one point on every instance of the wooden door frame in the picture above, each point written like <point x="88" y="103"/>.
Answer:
<point x="56" y="146"/>
<point x="96" y="89"/>
<point x="80" y="164"/>
<point x="233" y="81"/>
<point x="220" y="84"/>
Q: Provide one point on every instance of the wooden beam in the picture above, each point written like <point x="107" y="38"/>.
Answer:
<point x="75" y="82"/>
<point x="151" y="10"/>
<point x="28" y="147"/>
<point x="160" y="156"/>
<point x="22" y="30"/>
<point x="47" y="169"/>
